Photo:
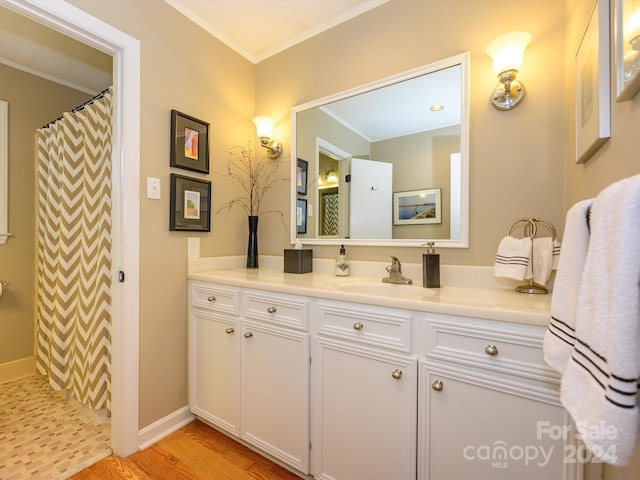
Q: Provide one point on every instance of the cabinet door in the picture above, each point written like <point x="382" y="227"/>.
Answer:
<point x="275" y="392"/>
<point x="481" y="426"/>
<point x="365" y="416"/>
<point x="215" y="369"/>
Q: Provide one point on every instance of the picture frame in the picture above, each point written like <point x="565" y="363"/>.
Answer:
<point x="627" y="58"/>
<point x="189" y="143"/>
<point x="592" y="84"/>
<point x="190" y="204"/>
<point x="417" y="207"/>
<point x="301" y="215"/>
<point x="302" y="170"/>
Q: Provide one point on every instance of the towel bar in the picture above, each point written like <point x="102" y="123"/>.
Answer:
<point x="530" y="229"/>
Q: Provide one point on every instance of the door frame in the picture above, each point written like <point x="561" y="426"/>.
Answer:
<point x="125" y="50"/>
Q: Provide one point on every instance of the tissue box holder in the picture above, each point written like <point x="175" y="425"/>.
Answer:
<point x="298" y="261"/>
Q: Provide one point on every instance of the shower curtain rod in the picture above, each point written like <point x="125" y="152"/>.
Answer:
<point x="80" y="107"/>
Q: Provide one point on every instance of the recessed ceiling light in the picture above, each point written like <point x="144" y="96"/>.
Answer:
<point x="437" y="108"/>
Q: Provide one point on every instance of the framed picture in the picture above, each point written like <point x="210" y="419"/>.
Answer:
<point x="417" y="207"/>
<point x="627" y="48"/>
<point x="190" y="201"/>
<point x="301" y="215"/>
<point x="301" y="176"/>
<point x="592" y="87"/>
<point x="189" y="143"/>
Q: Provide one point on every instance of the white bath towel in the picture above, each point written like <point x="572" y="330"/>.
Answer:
<point x="512" y="258"/>
<point x="560" y="336"/>
<point x="600" y="383"/>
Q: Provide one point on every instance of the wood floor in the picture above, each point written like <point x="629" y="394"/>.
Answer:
<point x="194" y="452"/>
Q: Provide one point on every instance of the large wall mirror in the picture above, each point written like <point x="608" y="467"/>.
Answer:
<point x="386" y="163"/>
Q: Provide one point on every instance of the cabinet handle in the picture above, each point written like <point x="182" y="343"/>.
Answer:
<point x="437" y="386"/>
<point x="491" y="349"/>
<point x="397" y="374"/>
<point x="211" y="298"/>
<point x="271" y="310"/>
<point x="358" y="326"/>
<point x="248" y="334"/>
<point x="230" y="330"/>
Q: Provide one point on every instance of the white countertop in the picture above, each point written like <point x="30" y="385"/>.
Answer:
<point x="491" y="303"/>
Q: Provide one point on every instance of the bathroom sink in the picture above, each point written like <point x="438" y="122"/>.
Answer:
<point x="386" y="289"/>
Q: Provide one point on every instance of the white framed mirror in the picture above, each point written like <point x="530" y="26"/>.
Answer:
<point x="386" y="163"/>
<point x="4" y="172"/>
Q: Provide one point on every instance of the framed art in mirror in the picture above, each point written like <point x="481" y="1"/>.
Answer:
<point x="189" y="143"/>
<point x="301" y="176"/>
<point x="417" y="207"/>
<point x="592" y="85"/>
<point x="627" y="48"/>
<point x="301" y="215"/>
<point x="190" y="204"/>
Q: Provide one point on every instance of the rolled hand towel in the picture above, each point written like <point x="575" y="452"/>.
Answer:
<point x="512" y="258"/>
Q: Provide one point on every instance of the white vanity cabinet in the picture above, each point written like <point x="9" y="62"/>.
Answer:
<point x="489" y="406"/>
<point x="249" y="367"/>
<point x="364" y="393"/>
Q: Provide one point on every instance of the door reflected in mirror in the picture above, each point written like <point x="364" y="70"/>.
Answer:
<point x="364" y="147"/>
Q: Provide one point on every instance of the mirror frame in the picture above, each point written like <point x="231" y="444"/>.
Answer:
<point x="463" y="242"/>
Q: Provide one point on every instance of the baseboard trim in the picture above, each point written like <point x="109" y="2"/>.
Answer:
<point x="23" y="367"/>
<point x="163" y="427"/>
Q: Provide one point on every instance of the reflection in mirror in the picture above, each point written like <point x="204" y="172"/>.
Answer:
<point x="387" y="162"/>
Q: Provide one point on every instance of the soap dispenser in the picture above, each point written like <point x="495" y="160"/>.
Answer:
<point x="430" y="267"/>
<point x="342" y="263"/>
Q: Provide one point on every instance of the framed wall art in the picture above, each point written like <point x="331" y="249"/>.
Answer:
<point x="189" y="143"/>
<point x="301" y="176"/>
<point x="627" y="48"/>
<point x="301" y="215"/>
<point x="190" y="204"/>
<point x="417" y="207"/>
<point x="592" y="86"/>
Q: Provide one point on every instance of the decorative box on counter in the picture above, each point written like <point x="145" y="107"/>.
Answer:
<point x="298" y="260"/>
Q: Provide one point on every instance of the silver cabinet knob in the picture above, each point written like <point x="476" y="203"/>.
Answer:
<point x="230" y="330"/>
<point x="437" y="386"/>
<point x="248" y="334"/>
<point x="397" y="374"/>
<point x="211" y="298"/>
<point x="271" y="310"/>
<point x="358" y="326"/>
<point x="491" y="349"/>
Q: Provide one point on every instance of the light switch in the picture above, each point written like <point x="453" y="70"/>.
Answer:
<point x="193" y="247"/>
<point x="310" y="211"/>
<point x="153" y="188"/>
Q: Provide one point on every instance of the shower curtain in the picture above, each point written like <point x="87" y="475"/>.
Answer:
<point x="73" y="308"/>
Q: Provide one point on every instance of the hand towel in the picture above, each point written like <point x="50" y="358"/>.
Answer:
<point x="556" y="254"/>
<point x="560" y="335"/>
<point x="512" y="258"/>
<point x="599" y="387"/>
<point x="542" y="259"/>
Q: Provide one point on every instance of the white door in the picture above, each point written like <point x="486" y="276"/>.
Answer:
<point x="371" y="199"/>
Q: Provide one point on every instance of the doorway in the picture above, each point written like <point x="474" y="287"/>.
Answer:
<point x="125" y="51"/>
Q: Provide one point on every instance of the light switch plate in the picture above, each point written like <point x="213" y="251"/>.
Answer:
<point x="193" y="247"/>
<point x="153" y="188"/>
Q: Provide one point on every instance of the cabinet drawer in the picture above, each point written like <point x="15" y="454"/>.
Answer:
<point x="216" y="298"/>
<point x="514" y="351"/>
<point x="284" y="310"/>
<point x="373" y="326"/>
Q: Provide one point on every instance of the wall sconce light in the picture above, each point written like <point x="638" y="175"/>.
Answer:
<point x="264" y="127"/>
<point x="506" y="52"/>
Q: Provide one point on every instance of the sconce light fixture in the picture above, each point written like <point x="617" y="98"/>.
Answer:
<point x="506" y="52"/>
<point x="264" y="127"/>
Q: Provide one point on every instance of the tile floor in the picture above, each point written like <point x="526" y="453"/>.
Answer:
<point x="42" y="436"/>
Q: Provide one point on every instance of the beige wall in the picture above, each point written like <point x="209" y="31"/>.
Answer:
<point x="33" y="102"/>
<point x="182" y="68"/>
<point x="617" y="158"/>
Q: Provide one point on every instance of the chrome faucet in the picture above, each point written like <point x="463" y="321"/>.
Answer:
<point x="395" y="273"/>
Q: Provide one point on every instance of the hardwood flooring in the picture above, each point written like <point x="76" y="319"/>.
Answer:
<point x="194" y="452"/>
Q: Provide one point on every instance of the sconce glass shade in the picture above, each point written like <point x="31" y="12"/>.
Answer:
<point x="264" y="126"/>
<point x="507" y="52"/>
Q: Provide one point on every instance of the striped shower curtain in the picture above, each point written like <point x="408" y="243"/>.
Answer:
<point x="73" y="309"/>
